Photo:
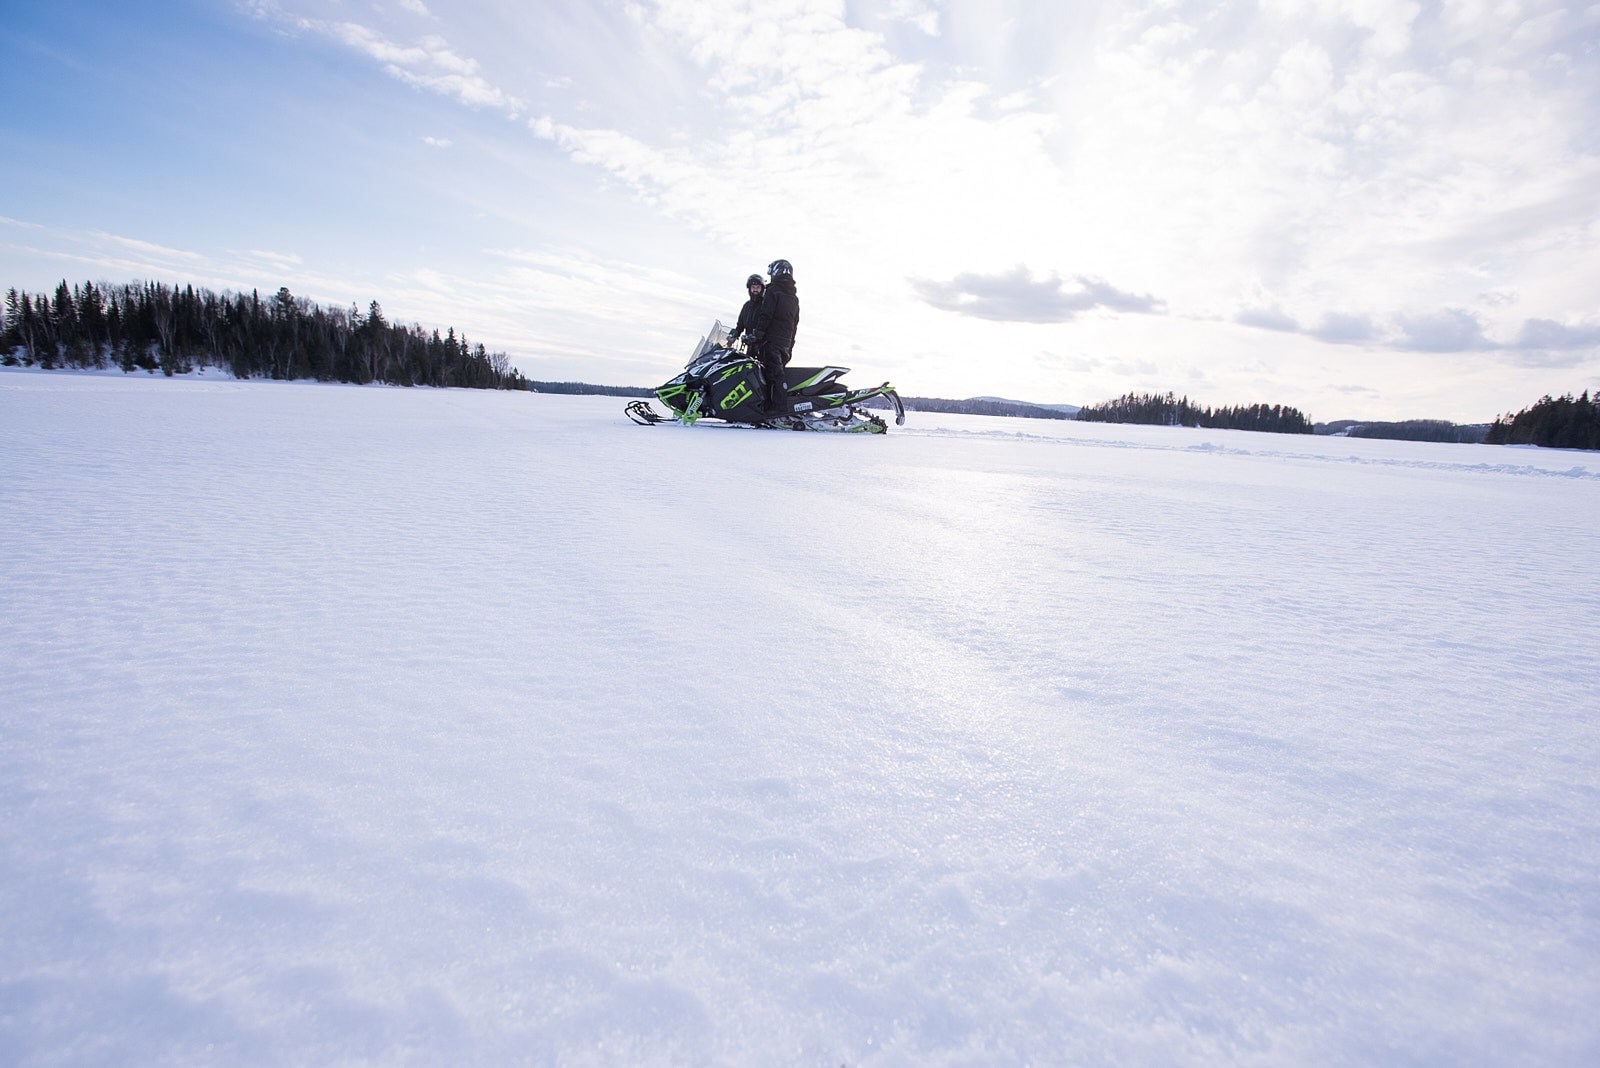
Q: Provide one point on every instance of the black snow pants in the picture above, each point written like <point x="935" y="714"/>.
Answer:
<point x="773" y="360"/>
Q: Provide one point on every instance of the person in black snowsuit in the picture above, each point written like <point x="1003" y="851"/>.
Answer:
<point x="756" y="286"/>
<point x="772" y="336"/>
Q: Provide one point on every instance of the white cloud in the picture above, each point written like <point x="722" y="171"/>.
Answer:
<point x="1547" y="335"/>
<point x="1386" y="24"/>
<point x="277" y="260"/>
<point x="1271" y="318"/>
<point x="1340" y="328"/>
<point x="98" y="255"/>
<point x="918" y="13"/>
<point x="1016" y="296"/>
<point x="429" y="64"/>
<point x="1448" y="330"/>
<point x="156" y="252"/>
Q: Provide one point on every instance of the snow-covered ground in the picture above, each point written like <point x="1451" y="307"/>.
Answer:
<point x="376" y="726"/>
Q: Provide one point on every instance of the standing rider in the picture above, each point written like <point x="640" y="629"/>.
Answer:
<point x="772" y="334"/>
<point x="747" y="314"/>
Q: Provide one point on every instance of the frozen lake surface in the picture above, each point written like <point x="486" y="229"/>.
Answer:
<point x="366" y="725"/>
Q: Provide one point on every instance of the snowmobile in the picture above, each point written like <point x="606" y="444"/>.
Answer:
<point x="725" y="382"/>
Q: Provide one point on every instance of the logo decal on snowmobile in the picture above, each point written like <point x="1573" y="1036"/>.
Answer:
<point x="736" y="396"/>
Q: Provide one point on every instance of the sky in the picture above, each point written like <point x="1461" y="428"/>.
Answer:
<point x="1361" y="208"/>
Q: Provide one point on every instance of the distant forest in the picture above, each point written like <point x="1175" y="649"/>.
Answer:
<point x="152" y="326"/>
<point x="982" y="406"/>
<point x="1554" y="422"/>
<point x="588" y="389"/>
<point x="1410" y="430"/>
<point x="1156" y="410"/>
<point x="972" y="406"/>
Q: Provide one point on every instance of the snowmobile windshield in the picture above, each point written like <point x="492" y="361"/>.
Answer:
<point x="716" y="338"/>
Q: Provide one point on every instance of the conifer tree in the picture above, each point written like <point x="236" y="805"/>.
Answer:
<point x="150" y="324"/>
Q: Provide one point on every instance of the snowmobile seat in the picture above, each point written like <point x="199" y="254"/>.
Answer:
<point x="814" y="379"/>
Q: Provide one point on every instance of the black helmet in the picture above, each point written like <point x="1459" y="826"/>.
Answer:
<point x="777" y="267"/>
<point x="755" y="280"/>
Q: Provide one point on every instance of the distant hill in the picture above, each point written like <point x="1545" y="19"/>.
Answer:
<point x="1069" y="410"/>
<point x="1407" y="430"/>
<point x="586" y="389"/>
<point x="988" y="406"/>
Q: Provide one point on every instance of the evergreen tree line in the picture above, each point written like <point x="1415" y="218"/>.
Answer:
<point x="1421" y="430"/>
<point x="151" y="326"/>
<point x="1554" y="422"/>
<point x="1156" y="410"/>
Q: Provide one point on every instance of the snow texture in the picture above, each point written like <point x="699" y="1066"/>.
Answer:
<point x="367" y="725"/>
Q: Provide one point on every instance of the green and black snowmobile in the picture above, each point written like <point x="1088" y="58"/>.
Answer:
<point x="726" y="383"/>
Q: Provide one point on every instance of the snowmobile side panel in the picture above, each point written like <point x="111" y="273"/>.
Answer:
<point x="736" y="392"/>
